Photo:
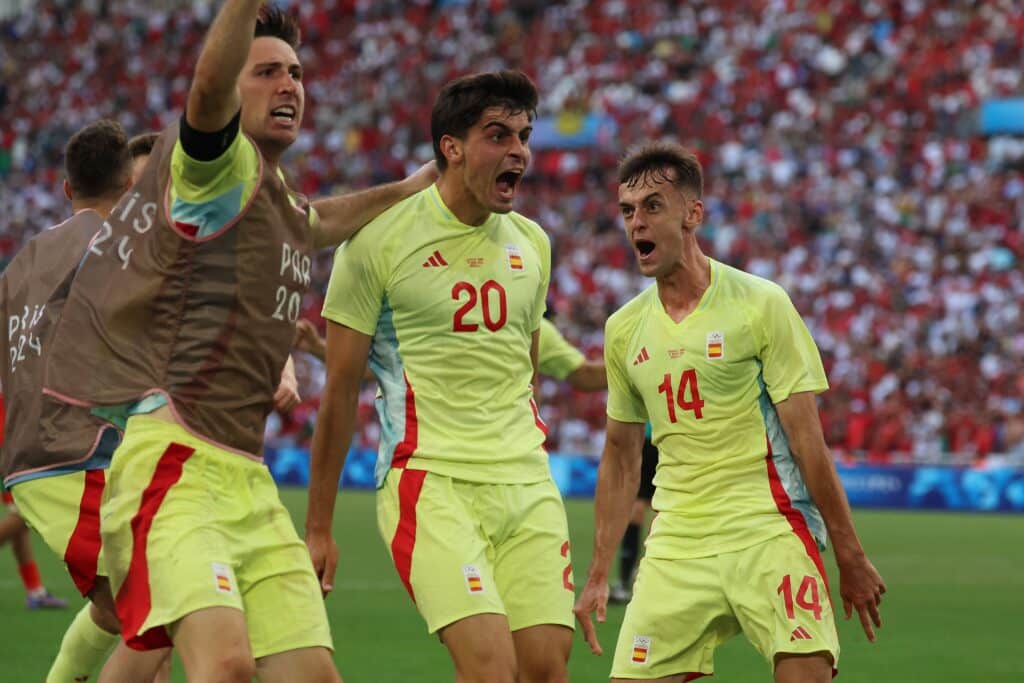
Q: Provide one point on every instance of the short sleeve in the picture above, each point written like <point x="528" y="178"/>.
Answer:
<point x="356" y="291"/>
<point x="789" y="357"/>
<point x="624" y="402"/>
<point x="558" y="358"/>
<point x="208" y="195"/>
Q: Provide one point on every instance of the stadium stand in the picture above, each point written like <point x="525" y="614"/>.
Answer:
<point x="840" y="140"/>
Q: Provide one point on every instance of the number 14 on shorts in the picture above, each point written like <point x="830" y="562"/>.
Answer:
<point x="806" y="596"/>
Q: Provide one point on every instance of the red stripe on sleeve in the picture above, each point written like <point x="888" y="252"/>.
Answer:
<point x="83" y="551"/>
<point x="133" y="599"/>
<point x="405" y="449"/>
<point x="409" y="488"/>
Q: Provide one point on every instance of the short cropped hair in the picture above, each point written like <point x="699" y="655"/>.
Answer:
<point x="96" y="160"/>
<point x="461" y="102"/>
<point x="653" y="162"/>
<point x="142" y="145"/>
<point x="275" y="22"/>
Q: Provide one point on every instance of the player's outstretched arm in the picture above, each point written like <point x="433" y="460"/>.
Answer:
<point x="309" y="340"/>
<point x="860" y="584"/>
<point x="590" y="376"/>
<point x="214" y="99"/>
<point x="618" y="479"/>
<point x="347" y="351"/>
<point x="343" y="216"/>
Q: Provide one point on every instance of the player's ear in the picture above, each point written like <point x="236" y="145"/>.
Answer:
<point x="453" y="150"/>
<point x="67" y="189"/>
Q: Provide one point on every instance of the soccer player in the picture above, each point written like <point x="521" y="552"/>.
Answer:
<point x="180" y="319"/>
<point x="13" y="529"/>
<point x="58" y="489"/>
<point x="444" y="294"/>
<point x="722" y="365"/>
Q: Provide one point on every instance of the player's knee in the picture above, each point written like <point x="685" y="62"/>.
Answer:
<point x="105" y="618"/>
<point x="549" y="670"/>
<point x="231" y="667"/>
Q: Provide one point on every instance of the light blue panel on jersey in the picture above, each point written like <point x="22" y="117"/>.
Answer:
<point x="786" y="466"/>
<point x="386" y="364"/>
<point x="212" y="215"/>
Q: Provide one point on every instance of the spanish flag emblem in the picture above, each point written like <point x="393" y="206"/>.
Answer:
<point x="514" y="256"/>
<point x="222" y="578"/>
<point x="716" y="345"/>
<point x="474" y="583"/>
<point x="641" y="649"/>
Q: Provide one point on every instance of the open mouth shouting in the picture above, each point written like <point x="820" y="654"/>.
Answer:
<point x="507" y="183"/>
<point x="285" y="115"/>
<point x="644" y="250"/>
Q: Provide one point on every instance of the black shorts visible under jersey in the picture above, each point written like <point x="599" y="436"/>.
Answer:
<point x="647" y="469"/>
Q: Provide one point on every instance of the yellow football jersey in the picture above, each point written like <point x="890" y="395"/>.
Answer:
<point x="726" y="478"/>
<point x="452" y="309"/>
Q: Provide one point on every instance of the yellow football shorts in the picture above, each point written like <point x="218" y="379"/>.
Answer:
<point x="775" y="592"/>
<point x="464" y="548"/>
<point x="65" y="510"/>
<point x="187" y="525"/>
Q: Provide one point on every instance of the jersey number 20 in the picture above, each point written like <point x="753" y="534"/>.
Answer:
<point x="491" y="296"/>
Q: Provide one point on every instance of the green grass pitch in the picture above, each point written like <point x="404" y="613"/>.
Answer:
<point x="954" y="611"/>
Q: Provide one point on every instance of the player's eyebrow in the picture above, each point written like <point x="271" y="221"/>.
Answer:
<point x="646" y="198"/>
<point x="277" y="65"/>
<point x="505" y="128"/>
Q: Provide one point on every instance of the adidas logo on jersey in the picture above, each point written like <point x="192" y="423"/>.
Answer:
<point x="435" y="260"/>
<point x="800" y="633"/>
<point x="642" y="357"/>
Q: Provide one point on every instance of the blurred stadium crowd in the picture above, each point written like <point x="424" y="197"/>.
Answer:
<point x="839" y="139"/>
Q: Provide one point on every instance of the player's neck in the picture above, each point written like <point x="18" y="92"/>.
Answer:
<point x="101" y="206"/>
<point x="681" y="289"/>
<point x="460" y="201"/>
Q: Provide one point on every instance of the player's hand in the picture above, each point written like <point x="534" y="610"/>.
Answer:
<point x="594" y="598"/>
<point x="308" y="339"/>
<point x="287" y="395"/>
<point x="324" y="553"/>
<point x="423" y="177"/>
<point x="862" y="588"/>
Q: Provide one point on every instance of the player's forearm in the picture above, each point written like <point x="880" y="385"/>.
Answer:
<point x="343" y="216"/>
<point x="331" y="440"/>
<point x="589" y="377"/>
<point x="822" y="480"/>
<point x="618" y="480"/>
<point x="214" y="99"/>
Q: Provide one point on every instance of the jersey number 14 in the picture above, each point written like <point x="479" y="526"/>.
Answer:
<point x="687" y="385"/>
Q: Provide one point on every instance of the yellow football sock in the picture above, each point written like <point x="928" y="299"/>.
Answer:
<point x="83" y="649"/>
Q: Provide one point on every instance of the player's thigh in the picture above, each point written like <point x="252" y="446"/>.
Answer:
<point x="284" y="607"/>
<point x="804" y="668"/>
<point x="533" y="562"/>
<point x="167" y="528"/>
<point x="65" y="511"/>
<point x="312" y="665"/>
<point x="542" y="653"/>
<point x="678" y="615"/>
<point x="780" y="596"/>
<point x="481" y="648"/>
<point x="213" y="644"/>
<point x="437" y="546"/>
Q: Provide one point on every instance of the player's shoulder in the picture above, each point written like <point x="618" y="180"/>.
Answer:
<point x="519" y="224"/>
<point x="746" y="288"/>
<point x="388" y="231"/>
<point x="631" y="312"/>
